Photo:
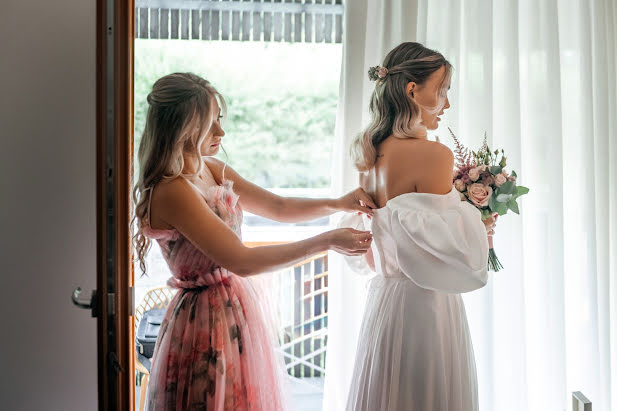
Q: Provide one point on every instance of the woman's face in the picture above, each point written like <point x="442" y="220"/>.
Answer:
<point x="432" y="97"/>
<point x="212" y="142"/>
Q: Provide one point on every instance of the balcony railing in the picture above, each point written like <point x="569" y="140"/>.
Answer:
<point x="302" y="303"/>
<point x="291" y="21"/>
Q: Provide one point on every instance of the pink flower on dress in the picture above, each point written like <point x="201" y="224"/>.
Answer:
<point x="239" y="395"/>
<point x="187" y="272"/>
<point x="219" y="337"/>
<point x="479" y="194"/>
<point x="202" y="343"/>
<point x="215" y="301"/>
<point x="252" y="394"/>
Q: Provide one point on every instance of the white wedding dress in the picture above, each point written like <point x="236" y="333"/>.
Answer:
<point x="414" y="351"/>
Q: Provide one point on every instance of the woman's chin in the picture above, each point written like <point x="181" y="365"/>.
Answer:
<point x="211" y="151"/>
<point x="434" y="125"/>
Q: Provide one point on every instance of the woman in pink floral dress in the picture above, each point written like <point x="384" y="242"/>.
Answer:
<point x="214" y="350"/>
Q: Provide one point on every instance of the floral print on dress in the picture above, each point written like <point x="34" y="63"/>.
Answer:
<point x="214" y="351"/>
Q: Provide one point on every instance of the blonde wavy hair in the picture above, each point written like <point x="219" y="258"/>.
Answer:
<point x="393" y="111"/>
<point x="179" y="118"/>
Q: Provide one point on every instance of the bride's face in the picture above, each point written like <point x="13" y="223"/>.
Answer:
<point x="432" y="97"/>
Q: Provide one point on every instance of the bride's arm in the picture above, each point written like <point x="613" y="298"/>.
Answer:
<point x="289" y="209"/>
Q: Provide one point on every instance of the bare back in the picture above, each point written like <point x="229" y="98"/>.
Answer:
<point x="408" y="166"/>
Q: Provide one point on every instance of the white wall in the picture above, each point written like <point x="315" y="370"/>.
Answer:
<point x="47" y="204"/>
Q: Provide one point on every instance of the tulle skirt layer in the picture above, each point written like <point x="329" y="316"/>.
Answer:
<point x="215" y="351"/>
<point x="414" y="352"/>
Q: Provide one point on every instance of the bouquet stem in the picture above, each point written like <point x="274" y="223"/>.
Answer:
<point x="493" y="261"/>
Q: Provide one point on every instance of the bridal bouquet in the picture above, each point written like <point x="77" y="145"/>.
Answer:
<point x="486" y="184"/>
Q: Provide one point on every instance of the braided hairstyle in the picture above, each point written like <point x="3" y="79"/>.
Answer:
<point x="393" y="111"/>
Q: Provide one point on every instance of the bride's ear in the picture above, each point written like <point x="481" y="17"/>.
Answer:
<point x="409" y="89"/>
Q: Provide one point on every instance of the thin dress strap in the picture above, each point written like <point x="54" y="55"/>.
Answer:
<point x="223" y="177"/>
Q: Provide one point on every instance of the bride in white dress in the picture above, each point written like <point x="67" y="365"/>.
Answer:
<point x="414" y="351"/>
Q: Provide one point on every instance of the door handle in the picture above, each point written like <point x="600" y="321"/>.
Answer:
<point x="86" y="304"/>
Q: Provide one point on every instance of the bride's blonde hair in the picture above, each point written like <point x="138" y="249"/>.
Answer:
<point x="393" y="111"/>
<point x="179" y="118"/>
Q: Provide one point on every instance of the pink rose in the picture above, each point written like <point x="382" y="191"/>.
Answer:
<point x="507" y="176"/>
<point x="500" y="179"/>
<point x="487" y="180"/>
<point x="474" y="174"/>
<point x="459" y="185"/>
<point x="479" y="194"/>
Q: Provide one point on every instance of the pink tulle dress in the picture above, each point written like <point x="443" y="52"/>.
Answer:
<point x="214" y="350"/>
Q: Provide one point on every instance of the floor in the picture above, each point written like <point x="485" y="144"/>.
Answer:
<point x="307" y="394"/>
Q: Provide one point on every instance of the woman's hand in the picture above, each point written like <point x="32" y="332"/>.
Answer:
<point x="356" y="201"/>
<point x="490" y="224"/>
<point x="348" y="241"/>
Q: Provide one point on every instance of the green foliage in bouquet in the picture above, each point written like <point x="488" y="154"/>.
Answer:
<point x="481" y="179"/>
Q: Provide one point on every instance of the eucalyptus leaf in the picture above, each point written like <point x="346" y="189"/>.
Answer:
<point x="495" y="170"/>
<point x="520" y="190"/>
<point x="513" y="174"/>
<point x="508" y="188"/>
<point x="513" y="205"/>
<point x="501" y="208"/>
<point x="492" y="203"/>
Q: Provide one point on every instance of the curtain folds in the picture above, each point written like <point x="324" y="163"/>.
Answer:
<point x="540" y="78"/>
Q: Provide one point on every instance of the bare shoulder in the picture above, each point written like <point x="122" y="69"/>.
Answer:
<point x="216" y="166"/>
<point x="436" y="169"/>
<point x="167" y="198"/>
<point x="169" y="193"/>
<point x="419" y="165"/>
<point x="439" y="155"/>
<point x="416" y="152"/>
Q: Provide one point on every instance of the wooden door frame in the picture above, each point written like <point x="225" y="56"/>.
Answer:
<point x="114" y="148"/>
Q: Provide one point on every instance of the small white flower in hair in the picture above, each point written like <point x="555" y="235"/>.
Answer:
<point x="382" y="72"/>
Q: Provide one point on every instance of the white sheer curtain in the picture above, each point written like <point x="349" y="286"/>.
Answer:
<point x="540" y="78"/>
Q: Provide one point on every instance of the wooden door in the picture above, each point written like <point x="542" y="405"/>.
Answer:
<point x="114" y="60"/>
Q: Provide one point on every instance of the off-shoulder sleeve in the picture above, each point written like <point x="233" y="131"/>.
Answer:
<point x="443" y="250"/>
<point x="357" y="263"/>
